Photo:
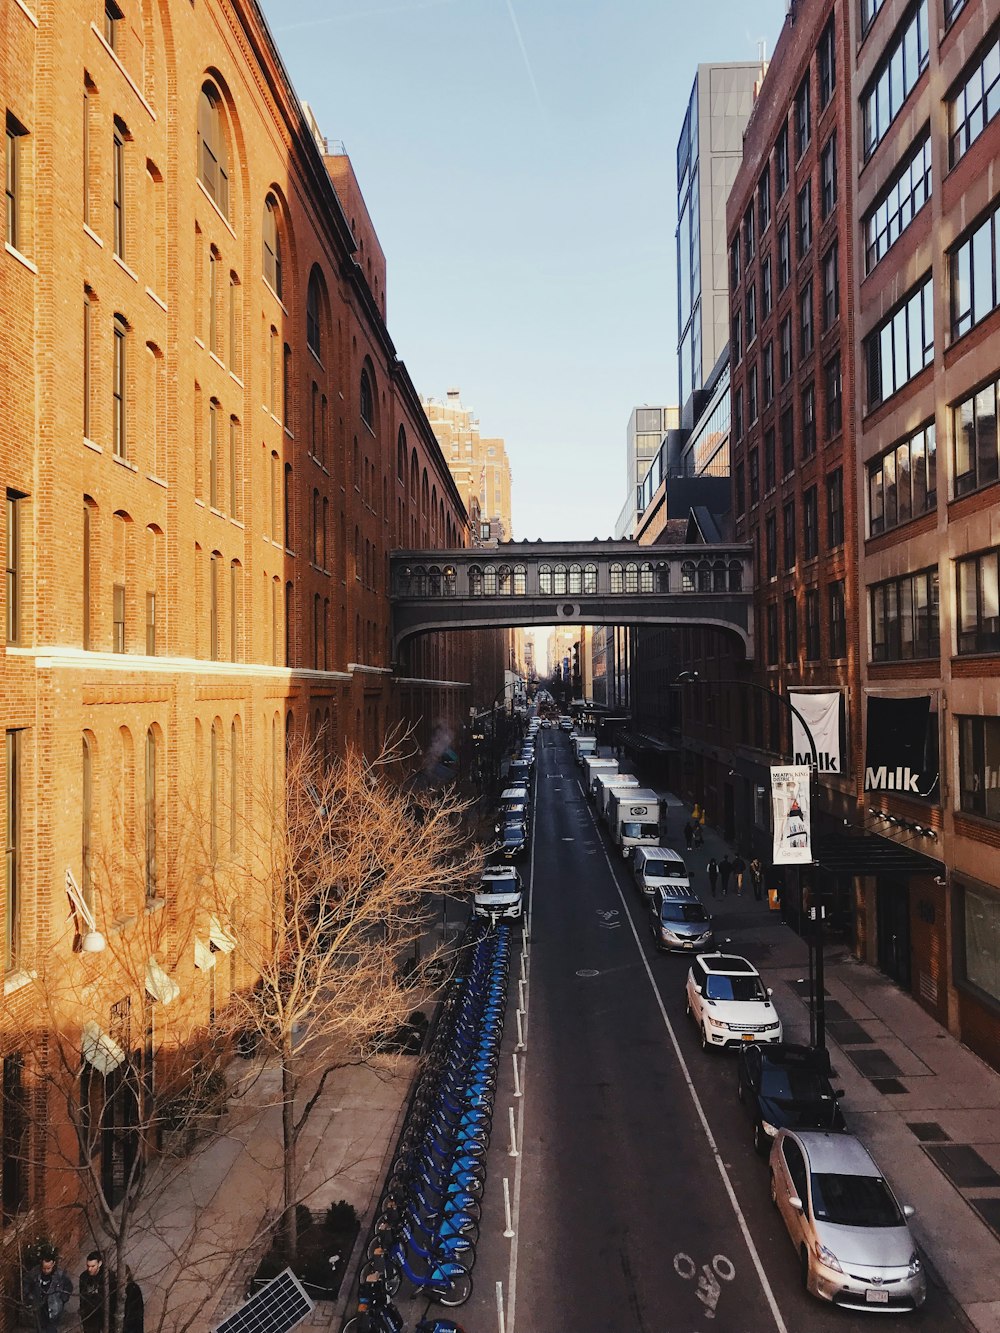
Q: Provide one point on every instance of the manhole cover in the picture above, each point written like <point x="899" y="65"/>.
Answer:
<point x="587" y="972"/>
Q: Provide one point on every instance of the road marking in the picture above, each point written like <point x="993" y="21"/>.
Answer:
<point x="744" y="1227"/>
<point x="709" y="1290"/>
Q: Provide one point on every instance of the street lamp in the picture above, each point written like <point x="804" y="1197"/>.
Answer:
<point x="817" y="1015"/>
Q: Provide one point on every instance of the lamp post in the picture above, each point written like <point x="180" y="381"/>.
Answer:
<point x="817" y="1013"/>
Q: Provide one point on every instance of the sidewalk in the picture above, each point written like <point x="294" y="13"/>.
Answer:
<point x="926" y="1106"/>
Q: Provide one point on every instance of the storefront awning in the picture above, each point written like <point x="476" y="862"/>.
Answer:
<point x="100" y="1050"/>
<point x="159" y="986"/>
<point x="848" y="854"/>
<point x="204" y="958"/>
<point x="221" y="939"/>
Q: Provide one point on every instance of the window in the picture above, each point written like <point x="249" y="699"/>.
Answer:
<point x="771" y="545"/>
<point x="803" y="118"/>
<point x="806" y="320"/>
<point x="791" y="631"/>
<point x="827" y="60"/>
<point x="974" y="283"/>
<point x="902" y="66"/>
<point x="214" y="262"/>
<point x="835" y="508"/>
<point x="834" y="396"/>
<point x="904" y="616"/>
<point x="975" y="102"/>
<point x="764" y="201"/>
<point x="828" y="177"/>
<point x="902" y="482"/>
<point x="831" y="286"/>
<point x="741" y="492"/>
<point x="781" y="161"/>
<point x="213" y="453"/>
<point x="812" y="625"/>
<point x="118" y="618"/>
<point x="119" y="390"/>
<point x="754" y="467"/>
<point x="213" y="606"/>
<point x="900" y="202"/>
<point x="901" y="346"/>
<point x="313" y="298"/>
<point x="151" y="813"/>
<point x="869" y="8"/>
<point x="784" y="256"/>
<point x="234" y="322"/>
<point x="785" y="341"/>
<point x="772" y="634"/>
<point x="286" y="508"/>
<point x="803" y="234"/>
<point x="234" y="467"/>
<point x="981" y="911"/>
<point x="788" y="520"/>
<point x="150" y="624"/>
<point x="748" y="236"/>
<point x="12" y="915"/>
<point x="787" y="427"/>
<point x="118" y="186"/>
<point x="15" y="1137"/>
<point x="975" y="428"/>
<point x="213" y="158"/>
<point x="16" y="134"/>
<point x="286" y="387"/>
<point x="88" y="351"/>
<point x="87" y="575"/>
<point x="952" y="9"/>
<point x="768" y="364"/>
<point x="978" y="767"/>
<point x="979" y="603"/>
<point x="735" y="267"/>
<point x="234" y="611"/>
<point x="837" y="607"/>
<point x="768" y="461"/>
<point x="112" y="19"/>
<point x="272" y="246"/>
<point x="751" y="313"/>
<point x="766" y="296"/>
<point x="367" y="400"/>
<point x="736" y="343"/>
<point x="752" y="394"/>
<point x="738" y="414"/>
<point x="15" y="571"/>
<point x="807" y="426"/>
<point x="810" y="524"/>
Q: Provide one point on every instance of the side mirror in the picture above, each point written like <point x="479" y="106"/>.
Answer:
<point x="795" y="1202"/>
<point x="908" y="1210"/>
<point x="770" y="990"/>
<point x="839" y="1092"/>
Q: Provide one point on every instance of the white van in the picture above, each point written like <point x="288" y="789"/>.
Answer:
<point x="659" y="868"/>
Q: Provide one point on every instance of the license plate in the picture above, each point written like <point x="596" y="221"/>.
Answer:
<point x="875" y="1297"/>
<point x="748" y="1036"/>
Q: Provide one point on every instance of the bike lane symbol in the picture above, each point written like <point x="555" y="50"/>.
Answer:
<point x="709" y="1290"/>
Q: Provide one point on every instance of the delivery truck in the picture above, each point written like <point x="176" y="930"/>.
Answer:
<point x="605" y="784"/>
<point x="634" y="818"/>
<point x="594" y="764"/>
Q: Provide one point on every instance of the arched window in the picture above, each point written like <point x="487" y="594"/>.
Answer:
<point x="719" y="576"/>
<point x="504" y="580"/>
<point x="404" y="577"/>
<point x="687" y="576"/>
<point x="213" y="155"/>
<point x="314" y="307"/>
<point x="560" y="581"/>
<point x="520" y="580"/>
<point x="545" y="578"/>
<point x="590" y="578"/>
<point x="475" y="581"/>
<point x="704" y="576"/>
<point x="450" y="577"/>
<point x="489" y="580"/>
<point x="272" y="245"/>
<point x="434" y="581"/>
<point x="645" y="577"/>
<point x="617" y="579"/>
<point x="735" y="576"/>
<point x="401" y="455"/>
<point x="367" y="401"/>
<point x="631" y="577"/>
<point x="420" y="581"/>
<point x="575" y="579"/>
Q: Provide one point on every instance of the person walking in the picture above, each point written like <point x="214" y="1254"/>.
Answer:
<point x="135" y="1315"/>
<point x="94" y="1282"/>
<point x="688" y="835"/>
<point x="739" y="870"/>
<point x="47" y="1288"/>
<point x="697" y="838"/>
<point x="757" y="878"/>
<point x="713" y="874"/>
<point x="725" y="871"/>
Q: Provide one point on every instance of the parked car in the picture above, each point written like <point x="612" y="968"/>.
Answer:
<point x="785" y="1086"/>
<point x="729" y="1002"/>
<point x="659" y="867"/>
<point x="854" y="1246"/>
<point x="513" y="839"/>
<point x="565" y="724"/>
<point x="498" y="894"/>
<point x="678" y="921"/>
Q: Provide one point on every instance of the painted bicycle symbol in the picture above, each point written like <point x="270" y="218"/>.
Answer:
<point x="608" y="920"/>
<point x="719" y="1270"/>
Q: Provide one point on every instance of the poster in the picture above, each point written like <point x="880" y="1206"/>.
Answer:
<point x="901" y="748"/>
<point x="821" y="713"/>
<point x="791" y="815"/>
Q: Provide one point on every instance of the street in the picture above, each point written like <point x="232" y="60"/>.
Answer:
<point x="637" y="1202"/>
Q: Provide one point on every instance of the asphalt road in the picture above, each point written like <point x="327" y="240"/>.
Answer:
<point x="636" y="1201"/>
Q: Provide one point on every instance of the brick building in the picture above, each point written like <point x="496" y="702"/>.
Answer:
<point x="208" y="446"/>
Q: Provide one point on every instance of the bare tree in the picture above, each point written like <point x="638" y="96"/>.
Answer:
<point x="335" y="897"/>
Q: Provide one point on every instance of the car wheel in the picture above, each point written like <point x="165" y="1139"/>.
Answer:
<point x="774" y="1190"/>
<point x="760" y="1140"/>
<point x="804" y="1268"/>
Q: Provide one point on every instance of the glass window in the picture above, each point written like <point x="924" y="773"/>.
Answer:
<point x="752" y="394"/>
<point x="791" y="630"/>
<point x="15" y="571"/>
<point x="112" y="20"/>
<point x="16" y="136"/>
<point x="835" y="507"/>
<point x="748" y="236"/>
<point x="764" y="201"/>
<point x="768" y="376"/>
<point x="272" y="245"/>
<point x="834" y="396"/>
<point x="784" y="256"/>
<point x="828" y="176"/>
<point x="12" y="859"/>
<point x="975" y="102"/>
<point x="810" y="524"/>
<point x="772" y="634"/>
<point x="979" y="767"/>
<point x="781" y="160"/>
<point x="803" y="233"/>
<point x="803" y="117"/>
<point x="738" y="414"/>
<point x="831" y="286"/>
<point x="736" y="343"/>
<point x="808" y="421"/>
<point x="900" y="202"/>
<point x="975" y="431"/>
<point x="787" y="426"/>
<point x="213" y="156"/>
<point x="827" y="61"/>
<point x="753" y="462"/>
<point x="741" y="492"/>
<point x="771" y="545"/>
<point x="902" y="481"/>
<point x="981" y="912"/>
<point x="766" y="296"/>
<point x="751" y="313"/>
<point x="901" y="346"/>
<point x="788" y="528"/>
<point x="974" y="285"/>
<point x="869" y="8"/>
<point x="314" y="337"/>
<point x="118" y="186"/>
<point x="769" y="470"/>
<point x="838" y="618"/>
<point x="735" y="267"/>
<point x="806" y="319"/>
<point x="901" y="67"/>
<point x="979" y="603"/>
<point x="812" y="625"/>
<point x="367" y="400"/>
<point x="904" y="617"/>
<point x="785" y="339"/>
<point x="119" y="389"/>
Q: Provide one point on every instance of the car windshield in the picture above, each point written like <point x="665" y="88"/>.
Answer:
<point x="683" y="912"/>
<point x="666" y="870"/>
<point x="513" y="833"/>
<point x="734" y="988"/>
<point x="632" y="829"/>
<point x="854" y="1201"/>
<point x="793" y="1084"/>
<point x="498" y="886"/>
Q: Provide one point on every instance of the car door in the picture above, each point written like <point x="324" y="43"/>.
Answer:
<point x="696" y="988"/>
<point x="750" y="1070"/>
<point x="796" y="1182"/>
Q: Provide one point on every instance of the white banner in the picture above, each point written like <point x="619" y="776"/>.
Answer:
<point x="792" y="843"/>
<point x="822" y="716"/>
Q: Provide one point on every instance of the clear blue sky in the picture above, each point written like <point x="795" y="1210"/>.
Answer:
<point x="518" y="161"/>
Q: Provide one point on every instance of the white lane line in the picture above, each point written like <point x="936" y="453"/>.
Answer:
<point x="779" y="1323"/>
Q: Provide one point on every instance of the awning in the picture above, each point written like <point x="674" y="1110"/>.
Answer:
<point x="100" y="1050"/>
<point x="160" y="986"/>
<point x="204" y="958"/>
<point x="640" y="740"/>
<point x="849" y="854"/>
<point x="221" y="939"/>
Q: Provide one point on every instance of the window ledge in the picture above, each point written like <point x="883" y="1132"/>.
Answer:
<point x="125" y="268"/>
<point x="123" y="462"/>
<point x="15" y="981"/>
<point x="89" y="231"/>
<point x="222" y="217"/>
<point x="288" y="431"/>
<point x="21" y="259"/>
<point x="128" y="77"/>
<point x="315" y="356"/>
<point x="157" y="481"/>
<point x="199" y="503"/>
<point x="91" y="445"/>
<point x="121" y="923"/>
<point x="155" y="905"/>
<point x="198" y="341"/>
<point x="236" y="379"/>
<point x="237" y="523"/>
<point x="157" y="300"/>
<point x="217" y="512"/>
<point x="217" y="359"/>
<point x="26" y="11"/>
<point x="274" y="294"/>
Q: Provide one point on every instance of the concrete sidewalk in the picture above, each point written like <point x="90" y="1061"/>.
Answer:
<point x="925" y="1105"/>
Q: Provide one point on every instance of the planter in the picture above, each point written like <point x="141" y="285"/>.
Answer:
<point x="324" y="1253"/>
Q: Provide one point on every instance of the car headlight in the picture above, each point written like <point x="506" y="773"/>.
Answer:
<point x="715" y="1022"/>
<point x="914" y="1266"/>
<point x="828" y="1259"/>
<point x="666" y="934"/>
<point x="770" y="1130"/>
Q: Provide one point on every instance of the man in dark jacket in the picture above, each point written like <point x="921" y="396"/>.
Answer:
<point x="47" y="1288"/>
<point x="725" y="870"/>
<point x="94" y="1282"/>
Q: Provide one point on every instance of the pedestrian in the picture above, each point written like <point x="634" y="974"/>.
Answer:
<point x="757" y="877"/>
<point x="47" y="1288"/>
<point x="739" y="870"/>
<point x="94" y="1282"/>
<point x="713" y="874"/>
<point x="698" y="838"/>
<point x="688" y="835"/>
<point x="134" y="1309"/>
<point x="725" y="870"/>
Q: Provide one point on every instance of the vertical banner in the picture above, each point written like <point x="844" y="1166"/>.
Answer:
<point x="821" y="713"/>
<point x="791" y="815"/>
<point x="901" y="746"/>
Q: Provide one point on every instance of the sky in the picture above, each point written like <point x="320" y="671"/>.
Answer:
<point x="517" y="158"/>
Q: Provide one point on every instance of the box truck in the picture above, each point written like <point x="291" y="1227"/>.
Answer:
<point x="594" y="764"/>
<point x="605" y="784"/>
<point x="634" y="817"/>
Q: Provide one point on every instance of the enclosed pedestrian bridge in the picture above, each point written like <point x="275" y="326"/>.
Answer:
<point x="579" y="583"/>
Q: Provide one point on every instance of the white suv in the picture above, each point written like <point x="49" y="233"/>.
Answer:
<point x="498" y="894"/>
<point x="728" y="1001"/>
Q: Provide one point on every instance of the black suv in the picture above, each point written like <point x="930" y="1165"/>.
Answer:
<point x="784" y="1086"/>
